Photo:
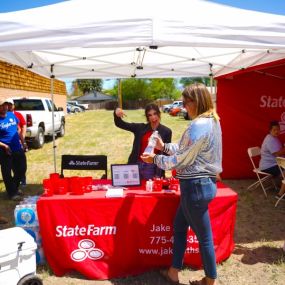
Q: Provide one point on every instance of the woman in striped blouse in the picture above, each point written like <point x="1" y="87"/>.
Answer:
<point x="197" y="159"/>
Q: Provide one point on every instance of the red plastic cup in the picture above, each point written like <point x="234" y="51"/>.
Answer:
<point x="68" y="179"/>
<point x="53" y="176"/>
<point x="174" y="184"/>
<point x="173" y="172"/>
<point x="87" y="183"/>
<point x="76" y="186"/>
<point x="61" y="186"/>
<point x="157" y="185"/>
<point x="48" y="187"/>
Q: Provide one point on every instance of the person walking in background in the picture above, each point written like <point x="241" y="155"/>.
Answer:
<point x="197" y="159"/>
<point x="22" y="129"/>
<point x="11" y="152"/>
<point x="270" y="149"/>
<point x="142" y="133"/>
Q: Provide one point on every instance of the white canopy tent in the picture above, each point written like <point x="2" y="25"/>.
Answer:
<point x="121" y="39"/>
<point x="144" y="39"/>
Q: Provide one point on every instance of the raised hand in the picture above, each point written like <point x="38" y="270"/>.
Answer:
<point x="120" y="113"/>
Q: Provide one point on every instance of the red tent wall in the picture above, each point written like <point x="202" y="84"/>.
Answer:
<point x="246" y="102"/>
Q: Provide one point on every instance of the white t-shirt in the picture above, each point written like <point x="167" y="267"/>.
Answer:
<point x="270" y="145"/>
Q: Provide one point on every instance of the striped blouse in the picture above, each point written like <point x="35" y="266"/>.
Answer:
<point x="198" y="153"/>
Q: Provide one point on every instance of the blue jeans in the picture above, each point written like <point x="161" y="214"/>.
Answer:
<point x="196" y="194"/>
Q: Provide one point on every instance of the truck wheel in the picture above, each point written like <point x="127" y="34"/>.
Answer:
<point x="30" y="280"/>
<point x="39" y="140"/>
<point x="61" y="132"/>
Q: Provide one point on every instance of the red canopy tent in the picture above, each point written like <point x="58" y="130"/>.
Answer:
<point x="247" y="101"/>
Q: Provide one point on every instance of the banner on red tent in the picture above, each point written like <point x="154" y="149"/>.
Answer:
<point x="246" y="104"/>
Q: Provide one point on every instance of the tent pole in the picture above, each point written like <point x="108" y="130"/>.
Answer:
<point x="120" y="93"/>
<point x="52" y="113"/>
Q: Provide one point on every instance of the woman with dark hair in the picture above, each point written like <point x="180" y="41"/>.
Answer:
<point x="270" y="149"/>
<point x="197" y="159"/>
<point x="142" y="133"/>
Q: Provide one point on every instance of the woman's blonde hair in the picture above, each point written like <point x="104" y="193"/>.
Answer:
<point x="198" y="93"/>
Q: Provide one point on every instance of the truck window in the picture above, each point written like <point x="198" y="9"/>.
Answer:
<point x="48" y="104"/>
<point x="54" y="107"/>
<point x="29" y="105"/>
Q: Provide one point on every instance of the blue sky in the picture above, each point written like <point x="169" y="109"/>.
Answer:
<point x="275" y="6"/>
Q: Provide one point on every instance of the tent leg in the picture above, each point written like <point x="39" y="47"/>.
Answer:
<point x="52" y="112"/>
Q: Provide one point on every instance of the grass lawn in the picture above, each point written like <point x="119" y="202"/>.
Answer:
<point x="260" y="228"/>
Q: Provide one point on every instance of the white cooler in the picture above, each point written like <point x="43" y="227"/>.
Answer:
<point x="17" y="258"/>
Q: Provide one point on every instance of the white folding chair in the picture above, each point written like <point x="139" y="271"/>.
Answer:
<point x="265" y="180"/>
<point x="281" y="165"/>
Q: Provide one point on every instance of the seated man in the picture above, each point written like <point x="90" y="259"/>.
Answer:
<point x="270" y="149"/>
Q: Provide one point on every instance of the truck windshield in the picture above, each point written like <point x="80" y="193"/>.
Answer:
<point x="28" y="105"/>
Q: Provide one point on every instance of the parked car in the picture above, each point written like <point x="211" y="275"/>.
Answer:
<point x="73" y="109"/>
<point x="76" y="103"/>
<point x="168" y="107"/>
<point x="184" y="113"/>
<point x="165" y="107"/>
<point x="37" y="112"/>
<point x="174" y="111"/>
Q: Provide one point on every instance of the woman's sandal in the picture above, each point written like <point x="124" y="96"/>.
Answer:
<point x="164" y="274"/>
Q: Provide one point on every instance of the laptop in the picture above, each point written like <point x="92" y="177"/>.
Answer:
<point x="125" y="175"/>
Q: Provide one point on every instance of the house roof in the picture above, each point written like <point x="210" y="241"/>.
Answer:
<point x="95" y="96"/>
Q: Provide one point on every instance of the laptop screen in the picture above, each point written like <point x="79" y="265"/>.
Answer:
<point x="125" y="175"/>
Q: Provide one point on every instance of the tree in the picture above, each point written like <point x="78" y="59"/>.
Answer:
<point x="152" y="89"/>
<point x="190" y="80"/>
<point x="162" y="88"/>
<point x="88" y="85"/>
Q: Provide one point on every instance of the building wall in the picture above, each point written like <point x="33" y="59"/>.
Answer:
<point x="16" y="81"/>
<point x="59" y="100"/>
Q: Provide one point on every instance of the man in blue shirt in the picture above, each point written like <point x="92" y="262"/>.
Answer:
<point x="11" y="152"/>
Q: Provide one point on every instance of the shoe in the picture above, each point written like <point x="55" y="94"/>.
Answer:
<point x="17" y="198"/>
<point x="3" y="220"/>
<point x="164" y="274"/>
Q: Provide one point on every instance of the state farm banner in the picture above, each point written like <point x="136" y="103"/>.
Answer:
<point x="246" y="104"/>
<point x="106" y="238"/>
<point x="83" y="162"/>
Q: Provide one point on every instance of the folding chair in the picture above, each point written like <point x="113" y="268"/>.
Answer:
<point x="281" y="165"/>
<point x="265" y="180"/>
<point x="84" y="162"/>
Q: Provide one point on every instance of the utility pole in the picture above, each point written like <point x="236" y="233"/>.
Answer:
<point x="120" y="93"/>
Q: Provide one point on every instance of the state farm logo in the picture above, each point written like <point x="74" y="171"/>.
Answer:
<point x="282" y="123"/>
<point x="86" y="249"/>
<point x="71" y="162"/>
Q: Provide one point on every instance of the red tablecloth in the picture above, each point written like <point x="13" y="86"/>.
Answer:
<point x="104" y="238"/>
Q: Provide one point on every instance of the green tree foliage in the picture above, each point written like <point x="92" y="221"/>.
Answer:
<point x="152" y="89"/>
<point x="162" y="88"/>
<point x="190" y="80"/>
<point x="88" y="85"/>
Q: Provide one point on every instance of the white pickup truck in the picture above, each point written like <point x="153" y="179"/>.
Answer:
<point x="81" y="105"/>
<point x="38" y="114"/>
